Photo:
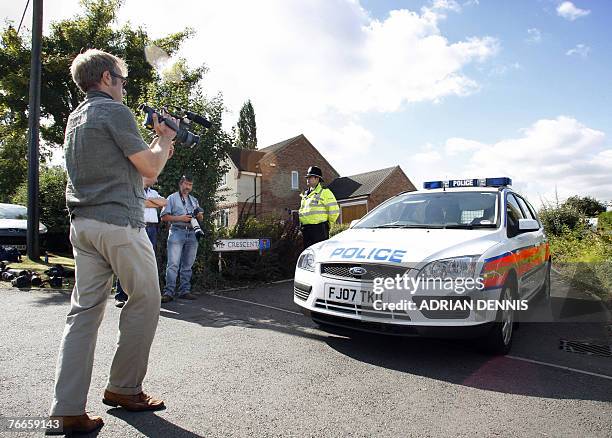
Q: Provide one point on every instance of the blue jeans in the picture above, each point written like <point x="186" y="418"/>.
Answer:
<point x="152" y="233"/>
<point x="182" y="250"/>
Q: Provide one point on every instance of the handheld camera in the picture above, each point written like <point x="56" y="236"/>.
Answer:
<point x="184" y="137"/>
<point x="194" y="223"/>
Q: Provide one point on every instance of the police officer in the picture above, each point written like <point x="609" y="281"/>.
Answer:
<point x="318" y="209"/>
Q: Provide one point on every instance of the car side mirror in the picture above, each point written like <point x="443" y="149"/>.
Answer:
<point x="525" y="225"/>
<point x="353" y="223"/>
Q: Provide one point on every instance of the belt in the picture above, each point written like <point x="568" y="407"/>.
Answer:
<point x="152" y="224"/>
<point x="183" y="227"/>
<point x="314" y="225"/>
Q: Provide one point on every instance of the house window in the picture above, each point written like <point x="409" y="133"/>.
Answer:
<point x="224" y="180"/>
<point x="295" y="180"/>
<point x="223" y="218"/>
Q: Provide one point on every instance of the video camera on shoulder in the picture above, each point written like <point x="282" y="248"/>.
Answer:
<point x="184" y="137"/>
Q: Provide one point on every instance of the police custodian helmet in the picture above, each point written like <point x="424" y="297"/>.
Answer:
<point x="314" y="171"/>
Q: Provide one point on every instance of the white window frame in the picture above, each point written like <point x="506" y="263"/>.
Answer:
<point x="224" y="179"/>
<point x="222" y="219"/>
<point x="295" y="178"/>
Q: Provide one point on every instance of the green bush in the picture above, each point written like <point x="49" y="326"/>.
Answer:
<point x="337" y="228"/>
<point x="604" y="221"/>
<point x="276" y="263"/>
<point x="585" y="258"/>
<point x="586" y="205"/>
<point x="558" y="220"/>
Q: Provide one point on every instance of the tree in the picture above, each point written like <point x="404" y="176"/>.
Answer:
<point x="247" y="128"/>
<point x="92" y="28"/>
<point x="52" y="203"/>
<point x="204" y="162"/>
<point x="588" y="206"/>
<point x="13" y="164"/>
<point x="53" y="212"/>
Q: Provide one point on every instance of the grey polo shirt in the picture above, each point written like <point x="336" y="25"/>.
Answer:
<point x="176" y="207"/>
<point x="103" y="184"/>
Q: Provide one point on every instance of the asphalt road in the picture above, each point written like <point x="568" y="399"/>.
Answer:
<point x="247" y="363"/>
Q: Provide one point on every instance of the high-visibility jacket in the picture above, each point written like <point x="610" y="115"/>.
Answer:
<point x="318" y="206"/>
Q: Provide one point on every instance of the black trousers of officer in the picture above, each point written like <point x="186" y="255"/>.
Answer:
<point x="314" y="233"/>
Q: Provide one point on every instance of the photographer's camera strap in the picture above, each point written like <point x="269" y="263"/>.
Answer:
<point x="185" y="204"/>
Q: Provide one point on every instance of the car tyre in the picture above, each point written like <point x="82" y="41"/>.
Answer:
<point x="499" y="339"/>
<point x="544" y="292"/>
<point x="542" y="297"/>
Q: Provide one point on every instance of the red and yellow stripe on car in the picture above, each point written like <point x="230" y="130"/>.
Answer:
<point x="523" y="260"/>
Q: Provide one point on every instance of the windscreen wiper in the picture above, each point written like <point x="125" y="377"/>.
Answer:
<point x="388" y="226"/>
<point x="469" y="226"/>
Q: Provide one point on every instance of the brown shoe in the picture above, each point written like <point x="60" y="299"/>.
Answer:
<point x="75" y="424"/>
<point x="138" y="402"/>
<point x="188" y="296"/>
<point x="166" y="298"/>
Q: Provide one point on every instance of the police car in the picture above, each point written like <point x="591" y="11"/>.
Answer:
<point x="404" y="268"/>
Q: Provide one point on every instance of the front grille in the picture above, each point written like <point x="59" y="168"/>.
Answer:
<point x="301" y="291"/>
<point x="302" y="295"/>
<point x="359" y="310"/>
<point x="368" y="326"/>
<point x="341" y="270"/>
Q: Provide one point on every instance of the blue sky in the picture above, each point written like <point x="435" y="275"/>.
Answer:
<point x="547" y="81"/>
<point x="443" y="88"/>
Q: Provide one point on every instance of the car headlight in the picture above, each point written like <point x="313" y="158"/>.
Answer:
<point x="453" y="268"/>
<point x="306" y="260"/>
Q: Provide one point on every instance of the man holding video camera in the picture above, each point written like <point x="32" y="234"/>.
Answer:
<point x="182" y="212"/>
<point x="106" y="159"/>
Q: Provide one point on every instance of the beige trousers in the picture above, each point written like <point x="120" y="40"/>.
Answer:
<point x="99" y="250"/>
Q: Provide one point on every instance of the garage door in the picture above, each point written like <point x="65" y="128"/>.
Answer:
<point x="353" y="212"/>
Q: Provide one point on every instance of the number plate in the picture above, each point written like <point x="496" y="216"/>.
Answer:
<point x="17" y="247"/>
<point x="350" y="295"/>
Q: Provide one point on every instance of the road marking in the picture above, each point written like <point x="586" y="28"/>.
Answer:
<point x="603" y="376"/>
<point x="257" y="304"/>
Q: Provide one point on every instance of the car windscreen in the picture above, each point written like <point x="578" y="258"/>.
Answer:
<point x="448" y="209"/>
<point x="13" y="212"/>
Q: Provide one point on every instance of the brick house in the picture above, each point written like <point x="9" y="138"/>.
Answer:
<point x="268" y="181"/>
<point x="358" y="194"/>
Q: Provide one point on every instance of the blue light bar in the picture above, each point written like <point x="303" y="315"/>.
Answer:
<point x="498" y="182"/>
<point x="433" y="185"/>
<point x="476" y="182"/>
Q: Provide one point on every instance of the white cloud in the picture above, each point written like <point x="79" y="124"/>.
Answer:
<point x="552" y="154"/>
<point x="456" y="146"/>
<point x="534" y="36"/>
<point x="428" y="155"/>
<point x="502" y="69"/>
<point x="580" y="50"/>
<point x="450" y="5"/>
<point x="318" y="66"/>
<point x="570" y="12"/>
